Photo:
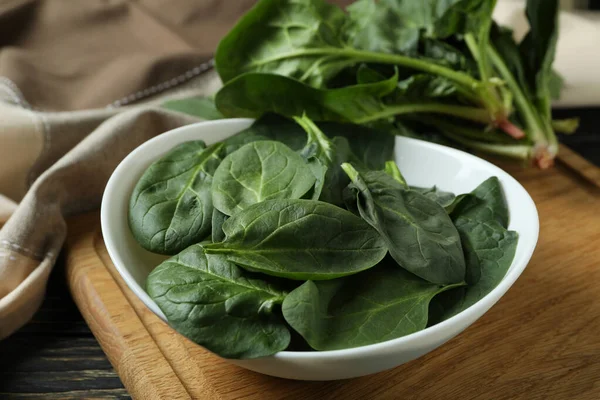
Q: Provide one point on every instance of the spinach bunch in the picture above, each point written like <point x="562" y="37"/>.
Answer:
<point x="415" y="66"/>
<point x="297" y="235"/>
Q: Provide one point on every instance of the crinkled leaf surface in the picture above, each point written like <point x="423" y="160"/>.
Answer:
<point x="281" y="36"/>
<point x="259" y="171"/>
<point x="481" y="219"/>
<point x="300" y="239"/>
<point x="171" y="205"/>
<point x="419" y="234"/>
<point x="218" y="305"/>
<point x="383" y="303"/>
<point x="253" y="94"/>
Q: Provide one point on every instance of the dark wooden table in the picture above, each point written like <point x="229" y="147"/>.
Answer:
<point x="56" y="356"/>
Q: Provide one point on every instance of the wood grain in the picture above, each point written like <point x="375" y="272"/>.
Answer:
<point x="540" y="341"/>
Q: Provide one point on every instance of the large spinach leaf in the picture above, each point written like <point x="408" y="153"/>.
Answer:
<point x="218" y="305"/>
<point x="171" y="205"/>
<point x="278" y="237"/>
<point x="418" y="232"/>
<point x="395" y="26"/>
<point x="253" y="94"/>
<point x="259" y="171"/>
<point x="481" y="219"/>
<point x="287" y="37"/>
<point x="383" y="303"/>
<point x="485" y="203"/>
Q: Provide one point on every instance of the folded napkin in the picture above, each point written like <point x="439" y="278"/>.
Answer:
<point x="81" y="87"/>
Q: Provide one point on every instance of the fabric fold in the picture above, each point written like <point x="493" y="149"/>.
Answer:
<point x="33" y="236"/>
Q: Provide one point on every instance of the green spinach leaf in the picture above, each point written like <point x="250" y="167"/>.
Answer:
<point x="278" y="238"/>
<point x="481" y="218"/>
<point x="444" y="199"/>
<point x="371" y="147"/>
<point x="253" y="94"/>
<point x="269" y="127"/>
<point x="288" y="37"/>
<point x="490" y="251"/>
<point x="418" y="232"/>
<point x="393" y="26"/>
<point x="485" y="203"/>
<point x="383" y="303"/>
<point x="171" y="205"/>
<point x="538" y="49"/>
<point x="202" y="107"/>
<point x="218" y="305"/>
<point x="259" y="171"/>
<point x="325" y="157"/>
<point x="218" y="218"/>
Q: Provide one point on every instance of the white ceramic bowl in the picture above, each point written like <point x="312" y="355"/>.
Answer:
<point x="422" y="163"/>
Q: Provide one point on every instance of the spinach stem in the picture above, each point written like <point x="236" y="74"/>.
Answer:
<point x="413" y="63"/>
<point x="518" y="151"/>
<point x="480" y="93"/>
<point x="350" y="171"/>
<point x="391" y="168"/>
<point x="493" y="136"/>
<point x="497" y="107"/>
<point x="314" y="133"/>
<point x="539" y="129"/>
<point x="534" y="129"/>
<point x="469" y="113"/>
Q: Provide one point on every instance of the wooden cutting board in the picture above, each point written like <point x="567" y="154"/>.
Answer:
<point x="541" y="341"/>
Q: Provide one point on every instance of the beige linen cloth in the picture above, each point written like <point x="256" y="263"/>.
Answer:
<point x="80" y="87"/>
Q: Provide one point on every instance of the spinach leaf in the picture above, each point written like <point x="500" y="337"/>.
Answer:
<point x="287" y="37"/>
<point x="268" y="127"/>
<point x="371" y="147"/>
<point x="481" y="219"/>
<point x="253" y="94"/>
<point x="218" y="218"/>
<point x="418" y="232"/>
<point x="392" y="26"/>
<point x="383" y="303"/>
<point x="324" y="157"/>
<point x="218" y="305"/>
<point x="278" y="238"/>
<point x="171" y="205"/>
<point x="491" y="250"/>
<point x="444" y="199"/>
<point x="202" y="107"/>
<point x="259" y="171"/>
<point x="538" y="49"/>
<point x="485" y="203"/>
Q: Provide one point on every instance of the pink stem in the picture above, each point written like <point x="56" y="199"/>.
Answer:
<point x="511" y="129"/>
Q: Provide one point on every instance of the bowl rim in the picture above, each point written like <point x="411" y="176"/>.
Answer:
<point x="516" y="268"/>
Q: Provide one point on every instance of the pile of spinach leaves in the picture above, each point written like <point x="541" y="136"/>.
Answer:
<point x="298" y="235"/>
<point x="415" y="67"/>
